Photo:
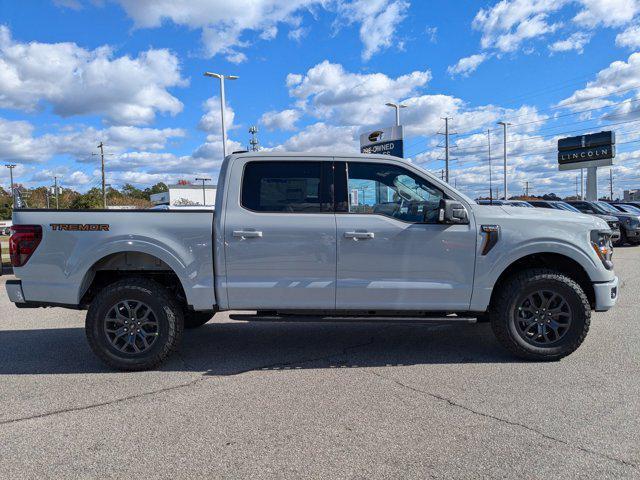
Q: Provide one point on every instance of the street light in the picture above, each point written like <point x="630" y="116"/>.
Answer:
<point x="13" y="196"/>
<point x="504" y="135"/>
<point x="397" y="106"/>
<point x="204" y="195"/>
<point x="222" y="104"/>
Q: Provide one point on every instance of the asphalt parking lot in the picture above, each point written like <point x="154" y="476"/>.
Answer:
<point x="291" y="400"/>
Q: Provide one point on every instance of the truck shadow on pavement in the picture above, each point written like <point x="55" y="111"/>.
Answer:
<point x="232" y="348"/>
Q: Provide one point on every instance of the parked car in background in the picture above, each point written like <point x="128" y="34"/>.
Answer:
<point x="613" y="222"/>
<point x="506" y="203"/>
<point x="627" y="208"/>
<point x="629" y="222"/>
<point x="5" y="231"/>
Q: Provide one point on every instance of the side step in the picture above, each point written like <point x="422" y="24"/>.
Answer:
<point x="450" y="319"/>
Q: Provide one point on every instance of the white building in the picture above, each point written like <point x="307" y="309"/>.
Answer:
<point x="186" y="195"/>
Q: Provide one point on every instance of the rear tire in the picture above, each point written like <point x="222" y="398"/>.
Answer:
<point x="194" y="319"/>
<point x="541" y="315"/>
<point x="134" y="324"/>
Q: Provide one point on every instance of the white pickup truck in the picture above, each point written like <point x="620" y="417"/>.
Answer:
<point x="323" y="235"/>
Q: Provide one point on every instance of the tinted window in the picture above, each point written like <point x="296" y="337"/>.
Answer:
<point x="293" y="187"/>
<point x="393" y="191"/>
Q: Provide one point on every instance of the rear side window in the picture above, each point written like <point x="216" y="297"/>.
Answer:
<point x="289" y="187"/>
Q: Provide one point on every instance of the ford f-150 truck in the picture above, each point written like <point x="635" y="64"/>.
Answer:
<point x="324" y="235"/>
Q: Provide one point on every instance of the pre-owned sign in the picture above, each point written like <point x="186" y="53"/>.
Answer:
<point x="594" y="150"/>
<point x="386" y="141"/>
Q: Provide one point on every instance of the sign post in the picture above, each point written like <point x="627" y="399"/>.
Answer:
<point x="387" y="141"/>
<point x="590" y="152"/>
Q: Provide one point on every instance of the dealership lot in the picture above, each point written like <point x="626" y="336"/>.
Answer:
<point x="323" y="400"/>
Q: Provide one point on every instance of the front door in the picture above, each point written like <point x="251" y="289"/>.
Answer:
<point x="280" y="235"/>
<point x="392" y="252"/>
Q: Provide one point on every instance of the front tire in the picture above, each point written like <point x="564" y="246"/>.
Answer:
<point x="541" y="315"/>
<point x="134" y="324"/>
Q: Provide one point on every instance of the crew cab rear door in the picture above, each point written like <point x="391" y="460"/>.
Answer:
<point x="390" y="255"/>
<point x="280" y="234"/>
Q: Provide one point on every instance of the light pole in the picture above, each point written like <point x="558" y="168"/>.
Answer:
<point x="397" y="106"/>
<point x="504" y="125"/>
<point x="204" y="191"/>
<point x="13" y="195"/>
<point x="222" y="104"/>
<point x="55" y="191"/>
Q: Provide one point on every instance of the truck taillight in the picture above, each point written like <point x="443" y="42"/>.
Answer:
<point x="23" y="242"/>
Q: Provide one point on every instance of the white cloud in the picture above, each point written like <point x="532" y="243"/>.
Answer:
<point x="19" y="143"/>
<point x="630" y="38"/>
<point x="283" y="120"/>
<point x="618" y="78"/>
<point x="327" y="91"/>
<point x="320" y="137"/>
<point x="509" y="22"/>
<point x="610" y="13"/>
<point x="224" y="25"/>
<point x="297" y="34"/>
<point x="75" y="81"/>
<point x="211" y="121"/>
<point x="467" y="65"/>
<point x="576" y="42"/>
<point x="378" y="21"/>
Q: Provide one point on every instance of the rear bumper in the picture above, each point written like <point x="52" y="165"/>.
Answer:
<point x="14" y="291"/>
<point x="606" y="295"/>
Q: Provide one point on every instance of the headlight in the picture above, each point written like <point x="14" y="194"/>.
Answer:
<point x="601" y="243"/>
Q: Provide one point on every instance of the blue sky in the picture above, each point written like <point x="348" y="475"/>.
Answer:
<point x="314" y="74"/>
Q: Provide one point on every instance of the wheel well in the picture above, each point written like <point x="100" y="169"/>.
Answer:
<point x="121" y="265"/>
<point x="552" y="261"/>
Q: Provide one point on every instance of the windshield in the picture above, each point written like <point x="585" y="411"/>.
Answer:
<point x="606" y="207"/>
<point x="567" y="207"/>
<point x="630" y="209"/>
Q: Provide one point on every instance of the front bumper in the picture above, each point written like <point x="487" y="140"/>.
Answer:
<point x="14" y="291"/>
<point x="606" y="295"/>
<point x="633" y="234"/>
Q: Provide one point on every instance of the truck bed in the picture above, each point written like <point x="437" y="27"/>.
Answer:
<point x="77" y="244"/>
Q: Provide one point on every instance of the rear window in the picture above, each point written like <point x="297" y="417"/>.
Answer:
<point x="290" y="187"/>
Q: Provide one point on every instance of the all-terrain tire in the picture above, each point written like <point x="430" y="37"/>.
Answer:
<point x="194" y="319"/>
<point x="515" y="290"/>
<point x="167" y="330"/>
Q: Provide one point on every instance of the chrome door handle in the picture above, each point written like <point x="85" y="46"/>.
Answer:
<point x="247" y="234"/>
<point x="359" y="235"/>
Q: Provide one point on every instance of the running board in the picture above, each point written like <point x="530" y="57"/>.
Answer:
<point x="347" y="319"/>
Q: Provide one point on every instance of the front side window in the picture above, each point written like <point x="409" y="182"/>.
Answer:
<point x="393" y="191"/>
<point x="289" y="187"/>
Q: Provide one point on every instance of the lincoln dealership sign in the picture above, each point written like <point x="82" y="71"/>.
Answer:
<point x="386" y="141"/>
<point x="594" y="150"/>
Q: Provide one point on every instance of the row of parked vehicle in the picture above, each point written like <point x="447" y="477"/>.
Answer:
<point x="623" y="217"/>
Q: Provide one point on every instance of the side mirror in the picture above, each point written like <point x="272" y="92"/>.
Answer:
<point x="452" y="212"/>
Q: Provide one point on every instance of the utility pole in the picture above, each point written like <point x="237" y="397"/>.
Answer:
<point x="577" y="187"/>
<point x="204" y="191"/>
<point x="55" y="191"/>
<point x="611" y="184"/>
<point x="504" y="125"/>
<point x="526" y="188"/>
<point x="582" y="184"/>
<point x="13" y="195"/>
<point x="104" y="186"/>
<point x="490" y="175"/>
<point x="442" y="174"/>
<point x="446" y="147"/>
<point x="222" y="78"/>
